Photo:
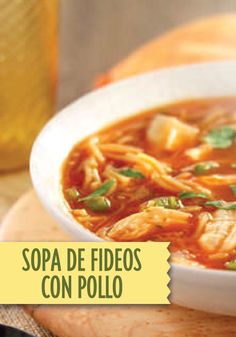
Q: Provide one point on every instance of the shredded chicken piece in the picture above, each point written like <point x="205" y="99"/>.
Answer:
<point x="168" y="133"/>
<point x="217" y="118"/>
<point x="217" y="231"/>
<point x="102" y="233"/>
<point x="219" y="256"/>
<point x="212" y="119"/>
<point x="91" y="174"/>
<point x="144" y="224"/>
<point x="199" y="153"/>
<point x="185" y="258"/>
<point x="203" y="219"/>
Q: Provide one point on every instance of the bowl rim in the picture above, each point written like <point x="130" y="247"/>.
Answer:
<point x="92" y="237"/>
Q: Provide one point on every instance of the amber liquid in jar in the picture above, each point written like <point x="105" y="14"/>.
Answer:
<point x="28" y="45"/>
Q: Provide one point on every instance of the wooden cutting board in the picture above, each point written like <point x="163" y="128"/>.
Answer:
<point x="28" y="221"/>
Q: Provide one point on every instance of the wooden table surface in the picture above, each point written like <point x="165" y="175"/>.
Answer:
<point x="12" y="186"/>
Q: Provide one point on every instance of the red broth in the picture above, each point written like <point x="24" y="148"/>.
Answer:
<point x="132" y="170"/>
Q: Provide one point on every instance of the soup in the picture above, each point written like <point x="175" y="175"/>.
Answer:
<point x="168" y="174"/>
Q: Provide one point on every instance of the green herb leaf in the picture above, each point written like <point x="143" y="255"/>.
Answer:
<point x="190" y="195"/>
<point x="128" y="172"/>
<point x="170" y="202"/>
<point x="101" y="190"/>
<point x="220" y="138"/>
<point x="233" y="165"/>
<point x="72" y="193"/>
<point x="233" y="188"/>
<point x="221" y="204"/>
<point x="231" y="265"/>
<point x="205" y="166"/>
<point x="98" y="204"/>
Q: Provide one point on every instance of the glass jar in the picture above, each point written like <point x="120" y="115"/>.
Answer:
<point x="28" y="60"/>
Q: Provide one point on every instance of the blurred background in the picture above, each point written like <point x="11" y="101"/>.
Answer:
<point x="94" y="34"/>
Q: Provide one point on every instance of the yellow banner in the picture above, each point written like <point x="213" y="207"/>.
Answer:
<point x="84" y="273"/>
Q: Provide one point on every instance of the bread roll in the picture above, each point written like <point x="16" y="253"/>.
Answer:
<point x="211" y="38"/>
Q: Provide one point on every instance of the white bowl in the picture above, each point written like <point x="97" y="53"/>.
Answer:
<point x="208" y="290"/>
